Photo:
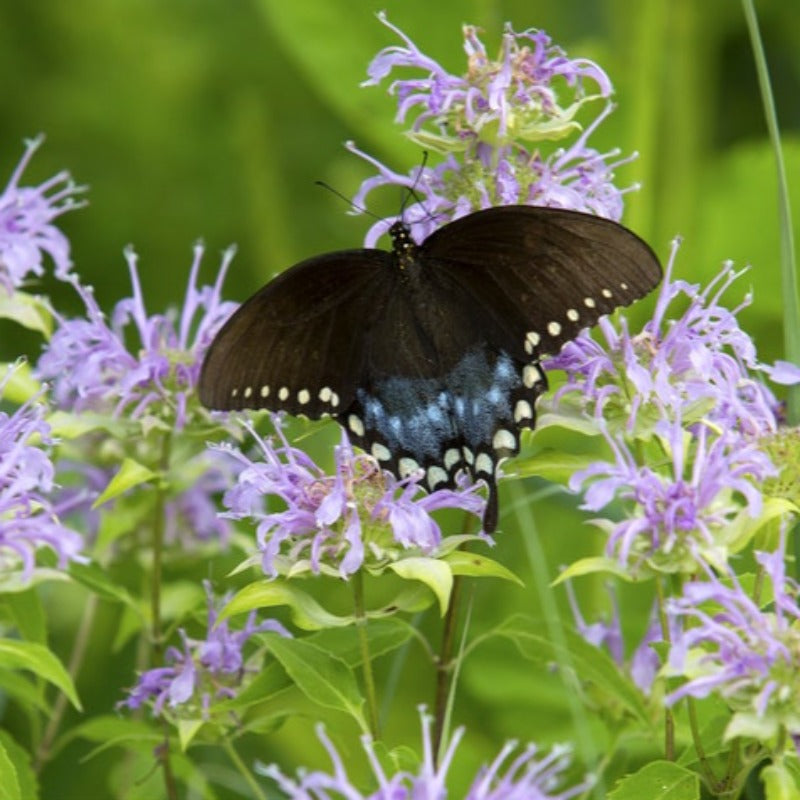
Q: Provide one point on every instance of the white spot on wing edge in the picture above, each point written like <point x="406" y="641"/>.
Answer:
<point x="436" y="475"/>
<point x="530" y="375"/>
<point x="264" y="391"/>
<point x="451" y="457"/>
<point x="303" y="396"/>
<point x="356" y="425"/>
<point x="406" y="465"/>
<point x="573" y="315"/>
<point x="522" y="410"/>
<point x="380" y="451"/>
<point x="283" y="393"/>
<point x="504" y="440"/>
<point x="248" y="391"/>
<point x="553" y="328"/>
<point x="484" y="463"/>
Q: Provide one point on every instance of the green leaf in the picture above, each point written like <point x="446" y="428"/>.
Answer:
<point x="20" y="384"/>
<point x="589" y="662"/>
<point x="779" y="783"/>
<point x="111" y="731"/>
<point x="306" y="612"/>
<point x="478" y="566"/>
<point x="23" y="689"/>
<point x="744" y="527"/>
<point x="27" y="310"/>
<point x="384" y="635"/>
<point x="39" y="660"/>
<point x="187" y="728"/>
<point x="28" y="614"/>
<point x="96" y="580"/>
<point x="9" y="782"/>
<point x="658" y="780"/>
<point x="553" y="465"/>
<point x="21" y="759"/>
<point x="66" y="425"/>
<point x="591" y="565"/>
<point x="131" y="473"/>
<point x="323" y="678"/>
<point x="433" y="572"/>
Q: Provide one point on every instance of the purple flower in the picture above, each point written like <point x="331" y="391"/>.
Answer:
<point x="496" y="102"/>
<point x="698" y="363"/>
<point x="644" y="663"/>
<point x="526" y="777"/>
<point x="746" y="654"/>
<point x="26" y="223"/>
<point x="335" y="522"/>
<point x="484" y="121"/>
<point x="682" y="512"/>
<point x="28" y="519"/>
<point x="202" y="671"/>
<point x="91" y="366"/>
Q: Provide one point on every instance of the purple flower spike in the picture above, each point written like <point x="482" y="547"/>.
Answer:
<point x="684" y="512"/>
<point x="91" y="367"/>
<point x="746" y="654"/>
<point x="28" y="520"/>
<point x="527" y="777"/>
<point x="202" y="671"/>
<point x="26" y="223"/>
<point x="334" y="522"/>
<point x="484" y="121"/>
<point x="695" y="363"/>
<point x="497" y="102"/>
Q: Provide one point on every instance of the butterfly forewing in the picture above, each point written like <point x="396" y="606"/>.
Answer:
<point x="549" y="272"/>
<point x="298" y="345"/>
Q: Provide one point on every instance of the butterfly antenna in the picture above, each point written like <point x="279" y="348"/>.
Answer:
<point x="412" y="190"/>
<point x="347" y="200"/>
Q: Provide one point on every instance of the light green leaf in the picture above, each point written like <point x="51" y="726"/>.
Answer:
<point x="66" y="425"/>
<point x="658" y="780"/>
<point x="28" y="614"/>
<point x="39" y="660"/>
<point x="117" y="731"/>
<point x="21" y="760"/>
<point x="27" y="310"/>
<point x="592" y="565"/>
<point x="324" y="679"/>
<point x="307" y="613"/>
<point x="385" y="635"/>
<point x="187" y="728"/>
<point x="579" y="423"/>
<point x="95" y="579"/>
<point x="20" y="385"/>
<point x="22" y="688"/>
<point x="131" y="473"/>
<point x="779" y="783"/>
<point x="478" y="566"/>
<point x="433" y="572"/>
<point x="553" y="465"/>
<point x="9" y="783"/>
<point x="744" y="527"/>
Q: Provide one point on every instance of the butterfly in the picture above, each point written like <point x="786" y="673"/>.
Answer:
<point x="429" y="355"/>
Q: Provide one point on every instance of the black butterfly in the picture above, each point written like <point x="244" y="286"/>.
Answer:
<point x="429" y="355"/>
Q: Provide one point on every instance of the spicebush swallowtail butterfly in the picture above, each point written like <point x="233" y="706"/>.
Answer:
<point x="429" y="354"/>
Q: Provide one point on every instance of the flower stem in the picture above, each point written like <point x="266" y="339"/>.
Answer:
<point x="158" y="551"/>
<point x="249" y="779"/>
<point x="669" y="718"/>
<point x="75" y="662"/>
<point x="444" y="672"/>
<point x="366" y="660"/>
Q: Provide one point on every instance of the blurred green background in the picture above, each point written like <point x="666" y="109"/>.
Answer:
<point x="213" y="119"/>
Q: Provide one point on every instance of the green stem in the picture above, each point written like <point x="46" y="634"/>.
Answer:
<point x="444" y="668"/>
<point x="791" y="311"/>
<point x="708" y="773"/>
<point x="248" y="776"/>
<point x="366" y="660"/>
<point x="170" y="786"/>
<point x="75" y="662"/>
<point x="158" y="551"/>
<point x="669" y="717"/>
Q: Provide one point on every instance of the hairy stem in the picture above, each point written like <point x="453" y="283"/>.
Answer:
<point x="366" y="660"/>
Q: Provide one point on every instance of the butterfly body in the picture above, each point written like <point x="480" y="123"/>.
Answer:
<point x="429" y="354"/>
